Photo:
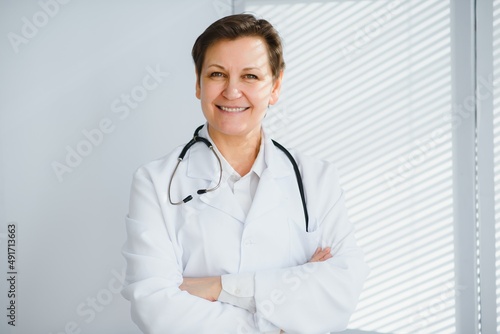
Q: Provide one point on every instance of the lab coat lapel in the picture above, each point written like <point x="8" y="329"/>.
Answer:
<point x="268" y="196"/>
<point x="223" y="199"/>
<point x="270" y="193"/>
<point x="202" y="164"/>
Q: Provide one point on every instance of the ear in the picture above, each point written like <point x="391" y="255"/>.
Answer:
<point x="275" y="92"/>
<point x="198" y="88"/>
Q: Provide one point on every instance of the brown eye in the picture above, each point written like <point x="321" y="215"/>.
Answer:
<point x="250" y="76"/>
<point x="216" y="75"/>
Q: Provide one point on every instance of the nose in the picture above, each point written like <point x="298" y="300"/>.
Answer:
<point x="231" y="91"/>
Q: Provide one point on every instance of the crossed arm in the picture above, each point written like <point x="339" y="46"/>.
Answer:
<point x="209" y="288"/>
<point x="161" y="298"/>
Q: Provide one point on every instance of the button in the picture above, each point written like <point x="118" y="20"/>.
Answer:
<point x="248" y="242"/>
<point x="237" y="292"/>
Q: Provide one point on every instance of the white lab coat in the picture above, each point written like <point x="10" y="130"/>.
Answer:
<point x="210" y="236"/>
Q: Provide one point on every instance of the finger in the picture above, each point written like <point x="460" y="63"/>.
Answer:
<point x="326" y="254"/>
<point x="318" y="254"/>
<point x="321" y="255"/>
<point x="323" y="252"/>
<point x="326" y="257"/>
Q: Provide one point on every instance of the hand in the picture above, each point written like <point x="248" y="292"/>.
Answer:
<point x="321" y="254"/>
<point x="208" y="288"/>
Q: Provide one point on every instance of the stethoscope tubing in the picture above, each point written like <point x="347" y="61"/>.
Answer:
<point x="197" y="139"/>
<point x="194" y="140"/>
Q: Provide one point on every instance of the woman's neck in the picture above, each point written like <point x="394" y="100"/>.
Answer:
<point x="239" y="151"/>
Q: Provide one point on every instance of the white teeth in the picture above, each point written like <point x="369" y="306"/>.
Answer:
<point x="232" y="109"/>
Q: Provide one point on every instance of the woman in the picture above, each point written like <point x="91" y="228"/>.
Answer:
<point x="238" y="256"/>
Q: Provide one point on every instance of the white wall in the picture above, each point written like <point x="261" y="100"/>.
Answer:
<point x="58" y="80"/>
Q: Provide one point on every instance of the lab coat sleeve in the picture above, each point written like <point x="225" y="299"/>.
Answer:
<point x="316" y="297"/>
<point x="154" y="275"/>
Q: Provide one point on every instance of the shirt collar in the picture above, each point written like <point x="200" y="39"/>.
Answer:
<point x="259" y="164"/>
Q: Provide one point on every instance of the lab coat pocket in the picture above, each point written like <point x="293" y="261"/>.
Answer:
<point x="302" y="244"/>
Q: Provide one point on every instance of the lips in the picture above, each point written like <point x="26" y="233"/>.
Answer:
<point x="232" y="109"/>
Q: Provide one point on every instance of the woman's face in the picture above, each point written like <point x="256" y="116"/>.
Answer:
<point x="236" y="86"/>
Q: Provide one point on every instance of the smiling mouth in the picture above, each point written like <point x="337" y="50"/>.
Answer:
<point x="232" y="109"/>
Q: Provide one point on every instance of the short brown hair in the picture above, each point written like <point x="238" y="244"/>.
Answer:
<point x="233" y="27"/>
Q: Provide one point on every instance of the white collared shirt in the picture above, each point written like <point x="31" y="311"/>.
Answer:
<point x="243" y="187"/>
<point x="239" y="290"/>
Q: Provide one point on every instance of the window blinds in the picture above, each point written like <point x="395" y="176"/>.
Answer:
<point x="367" y="86"/>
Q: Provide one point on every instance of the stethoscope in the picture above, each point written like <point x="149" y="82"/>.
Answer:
<point x="197" y="139"/>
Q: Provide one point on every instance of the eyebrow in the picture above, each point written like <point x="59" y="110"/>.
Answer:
<point x="223" y="68"/>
